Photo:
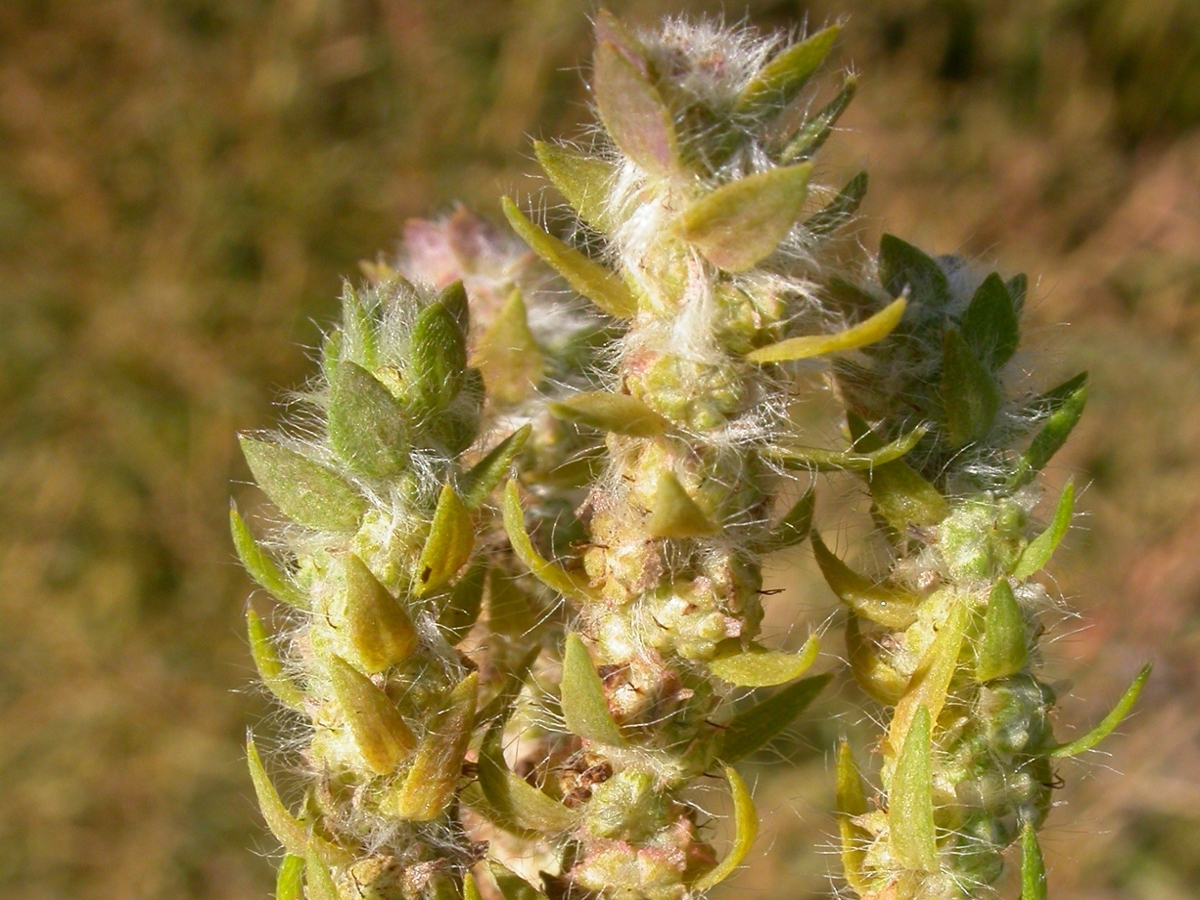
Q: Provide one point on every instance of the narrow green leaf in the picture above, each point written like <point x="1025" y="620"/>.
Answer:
<point x="793" y="528"/>
<point x="511" y="885"/>
<point x="319" y="880"/>
<point x="1033" y="869"/>
<point x="586" y="276"/>
<point x="875" y="328"/>
<point x="373" y="630"/>
<point x="752" y="728"/>
<point x="759" y="667"/>
<point x="582" y="179"/>
<point x="619" y="413"/>
<point x="778" y="82"/>
<point x="429" y="786"/>
<point x="466" y="598"/>
<point x="970" y="395"/>
<point x="816" y="459"/>
<point x="508" y="354"/>
<point x="745" y="818"/>
<point x="838" y="211"/>
<point x="380" y="733"/>
<point x="475" y="485"/>
<point x="903" y="267"/>
<point x="990" y="325"/>
<point x="359" y="342"/>
<point x="331" y="356"/>
<point x="550" y="574"/>
<point x="879" y="602"/>
<point x="304" y="491"/>
<point x="910" y="801"/>
<point x="448" y="547"/>
<point x="1003" y="649"/>
<point x="1042" y="547"/>
<point x="438" y="352"/>
<point x="632" y="110"/>
<point x="289" y="880"/>
<point x="1108" y="723"/>
<point x="266" y="660"/>
<point x="930" y="682"/>
<point x="584" y="705"/>
<point x="876" y="677"/>
<point x="288" y="830"/>
<point x="368" y="428"/>
<point x="675" y="514"/>
<point x="742" y="222"/>
<point x="520" y="802"/>
<point x="260" y="566"/>
<point x="815" y="132"/>
<point x="1064" y="415"/>
<point x="851" y="802"/>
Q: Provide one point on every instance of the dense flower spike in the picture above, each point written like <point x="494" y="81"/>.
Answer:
<point x="948" y="639"/>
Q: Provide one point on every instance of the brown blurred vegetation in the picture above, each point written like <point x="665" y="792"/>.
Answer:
<point x="184" y="182"/>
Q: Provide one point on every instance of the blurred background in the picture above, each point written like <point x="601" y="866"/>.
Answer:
<point x="183" y="184"/>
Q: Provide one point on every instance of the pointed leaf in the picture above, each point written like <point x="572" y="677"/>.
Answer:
<point x="429" y="786"/>
<point x="270" y="670"/>
<point x="260" y="566"/>
<point x="778" y="82"/>
<point x="903" y="267"/>
<point x="359" y="341"/>
<point x="745" y="818"/>
<point x="633" y="111"/>
<point x="880" y="602"/>
<point x="466" y="598"/>
<point x="878" y="679"/>
<point x="438" y="352"/>
<point x="304" y="491"/>
<point x="1017" y="286"/>
<point x="520" y="802"/>
<point x="475" y="486"/>
<point x="970" y="395"/>
<point x="582" y="179"/>
<point x="793" y="528"/>
<point x="816" y="130"/>
<point x="990" y="326"/>
<point x="1033" y="869"/>
<point x="511" y="885"/>
<point x="742" y="222"/>
<point x="368" y="428"/>
<point x="374" y="631"/>
<point x="813" y="458"/>
<point x="508" y="354"/>
<point x="838" y="211"/>
<point x="755" y="726"/>
<point x="289" y="880"/>
<point x="509" y="612"/>
<point x="380" y="732"/>
<point x="903" y="498"/>
<point x="1042" y="547"/>
<point x="619" y="413"/>
<point x="851" y="802"/>
<point x="470" y="888"/>
<point x="550" y="574"/>
<point x="759" y="667"/>
<point x="1066" y="408"/>
<point x="675" y="514"/>
<point x="584" y="705"/>
<point x="288" y="830"/>
<point x="930" y="682"/>
<point x="875" y="328"/>
<point x="910" y="800"/>
<point x="586" y="276"/>
<point x="1108" y="723"/>
<point x="319" y="880"/>
<point x="1003" y="650"/>
<point x="451" y="539"/>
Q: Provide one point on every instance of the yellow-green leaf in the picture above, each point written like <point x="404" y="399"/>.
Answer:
<point x="508" y="355"/>
<point x="910" y="800"/>
<point x="260" y="566"/>
<point x="883" y="603"/>
<point x="550" y="574"/>
<point x="778" y="82"/>
<point x="584" y="705"/>
<point x="481" y="480"/>
<point x="816" y="459"/>
<point x="745" y="819"/>
<point x="1042" y="547"/>
<point x="675" y="514"/>
<point x="619" y="413"/>
<point x="752" y="728"/>
<point x="462" y="608"/>
<point x="289" y="880"/>
<point x="1033" y="869"/>
<point x="368" y="428"/>
<point x="319" y="880"/>
<point x="586" y="276"/>
<point x="470" y="888"/>
<point x="582" y="179"/>
<point x="266" y="660"/>
<point x="451" y="538"/>
<point x="929" y="683"/>
<point x="437" y="767"/>
<point x="870" y="330"/>
<point x="874" y="676"/>
<point x="1108" y="723"/>
<point x="304" y="491"/>
<point x="511" y="885"/>
<point x="851" y="802"/>
<point x="373" y="629"/>
<point x="1003" y="649"/>
<point x="838" y="211"/>
<point x="817" y="129"/>
<point x="518" y="801"/>
<point x="904" y="498"/>
<point x="759" y="667"/>
<point x="379" y="731"/>
<point x="742" y="222"/>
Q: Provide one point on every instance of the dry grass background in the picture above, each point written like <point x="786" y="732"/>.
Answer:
<point x="184" y="182"/>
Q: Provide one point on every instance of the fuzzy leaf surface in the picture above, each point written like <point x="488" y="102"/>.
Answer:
<point x="368" y="428"/>
<point x="632" y="110"/>
<point x="910" y="800"/>
<point x="380" y="733"/>
<point x="448" y="547"/>
<point x="903" y="267"/>
<point x="872" y="329"/>
<point x="970" y="395"/>
<point x="838" y="211"/>
<point x="305" y="491"/>
<point x="778" y="82"/>
<point x="584" y="705"/>
<point x="550" y="574"/>
<point x="260" y="566"/>
<point x="990" y="325"/>
<point x="1042" y="547"/>
<point x="1003" y="650"/>
<point x="618" y="413"/>
<point x="266" y="660"/>
<point x="675" y="514"/>
<point x="582" y="179"/>
<point x="759" y="667"/>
